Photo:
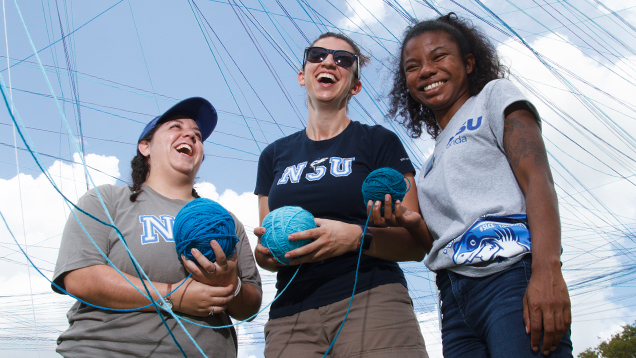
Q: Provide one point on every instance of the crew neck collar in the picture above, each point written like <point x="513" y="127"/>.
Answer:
<point x="147" y="188"/>
<point x="326" y="141"/>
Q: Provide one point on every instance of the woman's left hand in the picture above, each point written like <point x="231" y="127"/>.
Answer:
<point x="331" y="238"/>
<point x="547" y="308"/>
<point x="222" y="272"/>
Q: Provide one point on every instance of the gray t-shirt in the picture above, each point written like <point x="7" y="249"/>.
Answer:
<point x="468" y="193"/>
<point x="147" y="228"/>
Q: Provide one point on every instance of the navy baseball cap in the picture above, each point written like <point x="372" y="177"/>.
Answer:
<point x="197" y="108"/>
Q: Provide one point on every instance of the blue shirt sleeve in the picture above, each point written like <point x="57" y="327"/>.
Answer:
<point x="388" y="151"/>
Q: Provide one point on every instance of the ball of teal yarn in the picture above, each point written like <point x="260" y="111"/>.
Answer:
<point x="282" y="222"/>
<point x="381" y="182"/>
<point x="199" y="222"/>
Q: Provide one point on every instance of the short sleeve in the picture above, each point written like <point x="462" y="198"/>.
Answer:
<point x="76" y="249"/>
<point x="265" y="172"/>
<point x="388" y="151"/>
<point x="504" y="93"/>
<point x="247" y="270"/>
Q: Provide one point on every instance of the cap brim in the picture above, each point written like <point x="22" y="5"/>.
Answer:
<point x="197" y="108"/>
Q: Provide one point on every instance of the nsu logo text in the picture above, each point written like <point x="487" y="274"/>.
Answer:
<point x="459" y="139"/>
<point x="340" y="167"/>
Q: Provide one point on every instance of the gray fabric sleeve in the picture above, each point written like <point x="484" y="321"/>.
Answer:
<point x="76" y="249"/>
<point x="247" y="270"/>
<point x="504" y="93"/>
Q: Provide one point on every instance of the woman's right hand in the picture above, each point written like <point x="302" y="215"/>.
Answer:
<point x="403" y="217"/>
<point x="263" y="256"/>
<point x="198" y="299"/>
<point x="219" y="273"/>
<point x="412" y="221"/>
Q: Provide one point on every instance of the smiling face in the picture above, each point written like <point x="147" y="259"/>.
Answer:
<point x="327" y="83"/>
<point x="436" y="73"/>
<point x="175" y="148"/>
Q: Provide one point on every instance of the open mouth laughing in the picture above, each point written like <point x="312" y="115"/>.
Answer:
<point x="185" y="149"/>
<point x="326" y="78"/>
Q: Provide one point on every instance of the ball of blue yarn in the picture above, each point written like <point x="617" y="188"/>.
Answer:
<point x="199" y="222"/>
<point x="381" y="182"/>
<point x="282" y="222"/>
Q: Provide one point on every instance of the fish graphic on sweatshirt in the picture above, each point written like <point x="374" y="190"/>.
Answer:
<point x="492" y="239"/>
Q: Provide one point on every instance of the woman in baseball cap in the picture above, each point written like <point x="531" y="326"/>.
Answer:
<point x="169" y="154"/>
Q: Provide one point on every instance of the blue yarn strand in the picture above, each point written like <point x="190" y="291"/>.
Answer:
<point x="353" y="293"/>
<point x="140" y="308"/>
<point x="137" y="268"/>
<point x="153" y="303"/>
<point x="77" y="298"/>
<point x="377" y="184"/>
<point x="65" y="36"/>
<point x="254" y="315"/>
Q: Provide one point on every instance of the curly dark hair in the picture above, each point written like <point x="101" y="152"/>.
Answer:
<point x="140" y="166"/>
<point x="470" y="40"/>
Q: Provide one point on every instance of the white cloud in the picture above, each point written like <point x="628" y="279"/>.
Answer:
<point x="33" y="209"/>
<point x="364" y="14"/>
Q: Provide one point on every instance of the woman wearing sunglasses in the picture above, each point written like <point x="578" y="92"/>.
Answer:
<point x="321" y="169"/>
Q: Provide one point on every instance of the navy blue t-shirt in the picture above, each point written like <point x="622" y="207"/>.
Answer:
<point x="325" y="178"/>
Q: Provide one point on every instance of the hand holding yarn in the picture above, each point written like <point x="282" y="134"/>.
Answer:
<point x="386" y="188"/>
<point x="279" y="224"/>
<point x="198" y="223"/>
<point x="400" y="217"/>
<point x="384" y="181"/>
<point x="263" y="256"/>
<point x="222" y="272"/>
<point x="332" y="238"/>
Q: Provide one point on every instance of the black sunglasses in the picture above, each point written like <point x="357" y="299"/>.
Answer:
<point x="342" y="58"/>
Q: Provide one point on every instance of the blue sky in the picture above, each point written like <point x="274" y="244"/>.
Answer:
<point x="131" y="60"/>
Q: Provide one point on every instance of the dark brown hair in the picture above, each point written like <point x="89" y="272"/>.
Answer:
<point x="470" y="40"/>
<point x="140" y="166"/>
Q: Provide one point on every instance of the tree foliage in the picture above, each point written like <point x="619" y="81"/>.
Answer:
<point x="620" y="345"/>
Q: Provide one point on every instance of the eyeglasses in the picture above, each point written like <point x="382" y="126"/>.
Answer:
<point x="342" y="58"/>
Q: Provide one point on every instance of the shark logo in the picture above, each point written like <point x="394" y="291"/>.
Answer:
<point x="491" y="239"/>
<point x="316" y="162"/>
<point x="319" y="170"/>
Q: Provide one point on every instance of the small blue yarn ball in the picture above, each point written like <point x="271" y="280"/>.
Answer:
<point x="282" y="222"/>
<point x="381" y="182"/>
<point x="199" y="222"/>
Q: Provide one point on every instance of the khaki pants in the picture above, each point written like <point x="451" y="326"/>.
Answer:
<point x="381" y="323"/>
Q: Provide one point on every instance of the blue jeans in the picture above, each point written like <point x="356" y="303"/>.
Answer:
<point x="483" y="316"/>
